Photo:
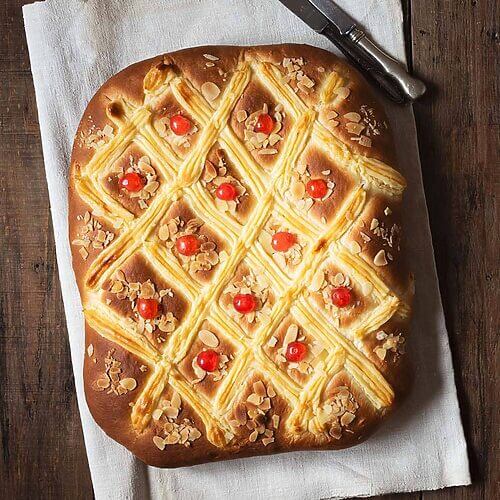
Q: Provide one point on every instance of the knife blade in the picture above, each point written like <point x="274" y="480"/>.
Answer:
<point x="344" y="23"/>
<point x="342" y="30"/>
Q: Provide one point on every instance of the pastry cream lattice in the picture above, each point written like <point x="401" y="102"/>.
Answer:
<point x="181" y="180"/>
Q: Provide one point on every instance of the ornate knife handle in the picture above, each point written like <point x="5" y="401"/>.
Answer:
<point x="410" y="86"/>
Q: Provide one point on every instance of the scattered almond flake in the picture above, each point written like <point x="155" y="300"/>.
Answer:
<point x="194" y="434"/>
<point x="171" y="412"/>
<point x="331" y="115"/>
<point x="103" y="383"/>
<point x="253" y="436"/>
<point x="276" y="421"/>
<point x="267" y="151"/>
<point x="208" y="338"/>
<point x="374" y="224"/>
<point x="321" y="69"/>
<point x="209" y="64"/>
<point x="163" y="233"/>
<point x="364" y="237"/>
<point x="210" y="91"/>
<point x="157" y="414"/>
<point x="95" y="138"/>
<point x="326" y="172"/>
<point x="355" y="128"/>
<point x="334" y="123"/>
<point x="128" y="383"/>
<point x="108" y="131"/>
<point x="353" y="117"/>
<point x="84" y="254"/>
<point x="159" y="442"/>
<point x="272" y="341"/>
<point x="338" y="279"/>
<point x="355" y="247"/>
<point x="90" y="350"/>
<point x="387" y="211"/>
<point x="259" y="388"/>
<point x="241" y="115"/>
<point x="270" y="392"/>
<point x="342" y="92"/>
<point x="365" y="141"/>
<point x="317" y="281"/>
<point x="254" y="399"/>
<point x="274" y="139"/>
<point x="380" y="259"/>
<point x="210" y="57"/>
<point x="291" y="334"/>
<point x="347" y="418"/>
<point x="176" y="400"/>
<point x="267" y="440"/>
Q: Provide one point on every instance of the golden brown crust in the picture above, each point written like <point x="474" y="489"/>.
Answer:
<point x="142" y="382"/>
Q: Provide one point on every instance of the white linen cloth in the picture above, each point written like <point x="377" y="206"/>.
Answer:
<point x="74" y="47"/>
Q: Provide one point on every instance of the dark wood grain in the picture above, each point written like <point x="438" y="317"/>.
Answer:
<point x="456" y="47"/>
<point x="454" y="44"/>
<point x="41" y="438"/>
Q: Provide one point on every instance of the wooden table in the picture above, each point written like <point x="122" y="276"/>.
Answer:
<point x="454" y="44"/>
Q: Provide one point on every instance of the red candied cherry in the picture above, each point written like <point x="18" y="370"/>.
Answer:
<point x="244" y="303"/>
<point x="341" y="296"/>
<point x="180" y="125"/>
<point x="208" y="360"/>
<point x="226" y="192"/>
<point x="283" y="241"/>
<point x="295" y="352"/>
<point x="132" y="181"/>
<point x="317" y="188"/>
<point x="187" y="245"/>
<point x="265" y="124"/>
<point x="147" y="308"/>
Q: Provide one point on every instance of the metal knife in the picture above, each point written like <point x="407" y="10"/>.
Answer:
<point x="327" y="18"/>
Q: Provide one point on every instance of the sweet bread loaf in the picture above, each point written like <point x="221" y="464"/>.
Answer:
<point x="236" y="239"/>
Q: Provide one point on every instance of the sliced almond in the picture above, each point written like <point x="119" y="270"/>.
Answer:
<point x="176" y="400"/>
<point x="343" y="92"/>
<point x="156" y="415"/>
<point x="338" y="279"/>
<point x="254" y="399"/>
<point x="164" y="233"/>
<point x="194" y="434"/>
<point x="90" y="350"/>
<point x="104" y="382"/>
<point x="365" y="141"/>
<point x="129" y="383"/>
<point x="208" y="338"/>
<point x="353" y="117"/>
<point x="159" y="442"/>
<point x="272" y="341"/>
<point x="347" y="418"/>
<point x="380" y="259"/>
<point x="171" y="412"/>
<point x="259" y="388"/>
<point x="355" y="247"/>
<point x="355" y="128"/>
<point x="241" y="115"/>
<point x="291" y="334"/>
<point x="317" y="281"/>
<point x="210" y="91"/>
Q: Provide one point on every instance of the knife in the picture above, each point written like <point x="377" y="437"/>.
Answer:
<point x="326" y="18"/>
